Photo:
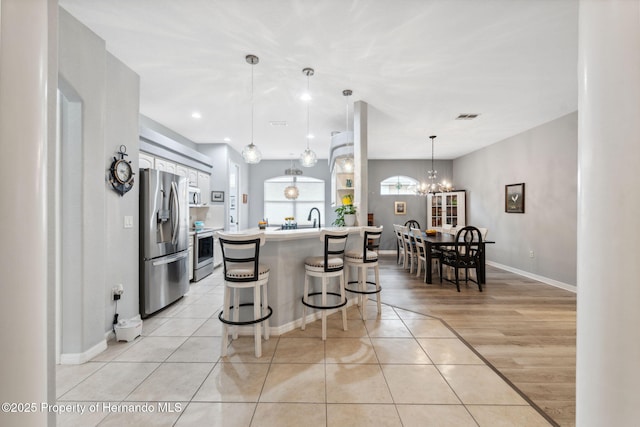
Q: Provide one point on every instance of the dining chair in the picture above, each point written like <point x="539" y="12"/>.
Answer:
<point x="409" y="249"/>
<point x="421" y="252"/>
<point x="412" y="223"/>
<point x="465" y="255"/>
<point x="401" y="253"/>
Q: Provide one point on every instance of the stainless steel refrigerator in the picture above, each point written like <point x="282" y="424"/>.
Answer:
<point x="164" y="239"/>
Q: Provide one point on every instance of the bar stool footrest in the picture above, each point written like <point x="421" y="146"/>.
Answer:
<point x="324" y="307"/>
<point x="376" y="290"/>
<point x="246" y="322"/>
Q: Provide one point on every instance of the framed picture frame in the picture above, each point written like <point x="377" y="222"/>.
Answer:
<point x="400" y="208"/>
<point x="217" y="196"/>
<point x="514" y="198"/>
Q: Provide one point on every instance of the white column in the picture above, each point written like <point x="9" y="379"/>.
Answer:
<point x="608" y="345"/>
<point x="24" y="82"/>
<point x="360" y="160"/>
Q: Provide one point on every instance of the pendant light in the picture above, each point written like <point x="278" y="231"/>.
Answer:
<point x="347" y="164"/>
<point x="291" y="192"/>
<point x="308" y="157"/>
<point x="250" y="152"/>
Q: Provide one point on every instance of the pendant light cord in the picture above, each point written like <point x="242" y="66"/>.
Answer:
<point x="308" y="115"/>
<point x="252" y="65"/>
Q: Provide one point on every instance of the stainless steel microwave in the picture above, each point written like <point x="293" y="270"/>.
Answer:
<point x="195" y="198"/>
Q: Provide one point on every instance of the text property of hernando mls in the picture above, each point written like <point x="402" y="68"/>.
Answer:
<point x="81" y="408"/>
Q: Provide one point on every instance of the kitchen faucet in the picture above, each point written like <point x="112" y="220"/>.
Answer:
<point x="314" y="220"/>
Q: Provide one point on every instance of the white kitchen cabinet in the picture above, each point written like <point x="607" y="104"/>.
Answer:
<point x="204" y="186"/>
<point x="145" y="161"/>
<point x="192" y="174"/>
<point x="165" y="165"/>
<point x="182" y="170"/>
<point x="446" y="208"/>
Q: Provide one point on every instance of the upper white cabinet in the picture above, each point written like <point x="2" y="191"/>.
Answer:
<point x="196" y="178"/>
<point x="145" y="161"/>
<point x="192" y="174"/>
<point x="182" y="170"/>
<point x="204" y="186"/>
<point x="446" y="208"/>
<point x="165" y="165"/>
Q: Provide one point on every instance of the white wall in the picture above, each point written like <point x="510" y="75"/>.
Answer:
<point x="382" y="207"/>
<point x="97" y="252"/>
<point x="545" y="159"/>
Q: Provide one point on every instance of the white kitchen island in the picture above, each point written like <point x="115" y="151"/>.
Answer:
<point x="284" y="252"/>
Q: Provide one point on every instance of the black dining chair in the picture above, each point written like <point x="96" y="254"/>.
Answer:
<point x="466" y="254"/>
<point x="412" y="223"/>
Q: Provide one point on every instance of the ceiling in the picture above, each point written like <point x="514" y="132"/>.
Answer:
<point x="418" y="64"/>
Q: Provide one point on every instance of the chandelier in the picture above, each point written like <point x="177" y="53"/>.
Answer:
<point x="433" y="186"/>
<point x="291" y="192"/>
<point x="250" y="152"/>
<point x="308" y="157"/>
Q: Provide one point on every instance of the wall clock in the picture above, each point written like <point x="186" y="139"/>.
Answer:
<point x="121" y="173"/>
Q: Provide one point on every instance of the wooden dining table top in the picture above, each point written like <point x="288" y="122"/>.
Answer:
<point x="443" y="238"/>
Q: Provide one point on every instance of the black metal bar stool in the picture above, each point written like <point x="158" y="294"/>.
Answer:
<point x="242" y="270"/>
<point x="330" y="264"/>
<point x="362" y="260"/>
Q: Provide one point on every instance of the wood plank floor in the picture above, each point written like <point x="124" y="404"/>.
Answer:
<point x="524" y="328"/>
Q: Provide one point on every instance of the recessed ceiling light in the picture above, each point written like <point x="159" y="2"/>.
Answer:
<point x="278" y="123"/>
<point x="467" y="116"/>
<point x="196" y="115"/>
<point x="310" y="136"/>
<point x="227" y="139"/>
<point x="306" y="96"/>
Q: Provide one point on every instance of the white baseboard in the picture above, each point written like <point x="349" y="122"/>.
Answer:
<point x="387" y="252"/>
<point x="80" y="358"/>
<point x="552" y="282"/>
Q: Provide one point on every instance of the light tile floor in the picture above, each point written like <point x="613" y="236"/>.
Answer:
<point x="397" y="369"/>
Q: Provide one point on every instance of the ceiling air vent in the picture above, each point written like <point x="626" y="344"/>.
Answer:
<point x="278" y="123"/>
<point x="467" y="116"/>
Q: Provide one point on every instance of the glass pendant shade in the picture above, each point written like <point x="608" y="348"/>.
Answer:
<point x="251" y="154"/>
<point x="348" y="165"/>
<point x="291" y="192"/>
<point x="308" y="158"/>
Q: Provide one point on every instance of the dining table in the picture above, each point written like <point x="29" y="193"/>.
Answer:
<point x="441" y="240"/>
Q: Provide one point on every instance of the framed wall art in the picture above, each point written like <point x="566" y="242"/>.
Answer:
<point x="400" y="208"/>
<point x="514" y="198"/>
<point x="217" y="196"/>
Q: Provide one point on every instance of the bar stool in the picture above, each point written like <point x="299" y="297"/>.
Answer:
<point x="331" y="264"/>
<point x="363" y="260"/>
<point x="242" y="270"/>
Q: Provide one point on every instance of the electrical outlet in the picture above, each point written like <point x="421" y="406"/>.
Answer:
<point x="532" y="254"/>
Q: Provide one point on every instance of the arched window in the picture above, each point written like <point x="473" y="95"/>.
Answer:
<point x="398" y="184"/>
<point x="277" y="207"/>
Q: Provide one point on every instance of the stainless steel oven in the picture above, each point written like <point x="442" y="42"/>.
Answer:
<point x="203" y="254"/>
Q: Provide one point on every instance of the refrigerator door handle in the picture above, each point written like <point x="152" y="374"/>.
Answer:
<point x="175" y="210"/>
<point x="171" y="259"/>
